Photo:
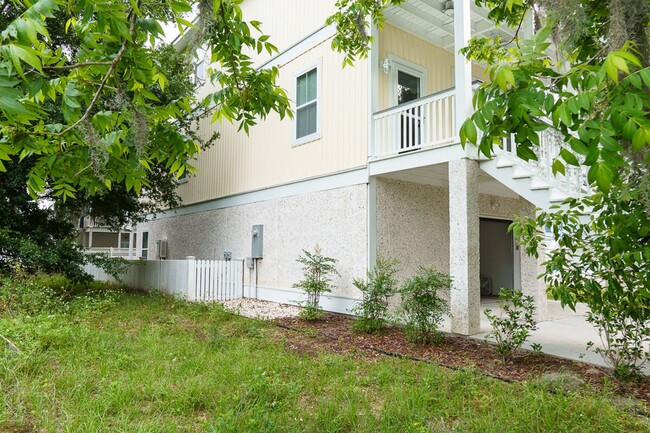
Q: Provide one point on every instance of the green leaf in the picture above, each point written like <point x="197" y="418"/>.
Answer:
<point x="639" y="138"/>
<point x="619" y="62"/>
<point x="569" y="157"/>
<point x="180" y="6"/>
<point x="610" y="144"/>
<point x="602" y="174"/>
<point x="579" y="146"/>
<point x="610" y="69"/>
<point x="468" y="132"/>
<point x="629" y="129"/>
<point x="12" y="108"/>
<point x="119" y="28"/>
<point x="45" y="8"/>
<point x="16" y="53"/>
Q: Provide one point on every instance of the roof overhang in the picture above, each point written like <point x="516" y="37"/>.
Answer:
<point x="428" y="20"/>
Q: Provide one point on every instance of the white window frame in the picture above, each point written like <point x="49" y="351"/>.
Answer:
<point x="399" y="64"/>
<point x="319" y="107"/>
<point x="142" y="248"/>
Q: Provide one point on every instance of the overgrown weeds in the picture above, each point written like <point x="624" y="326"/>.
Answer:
<point x="152" y="363"/>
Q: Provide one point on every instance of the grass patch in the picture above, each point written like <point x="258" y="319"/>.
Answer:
<point x="148" y="363"/>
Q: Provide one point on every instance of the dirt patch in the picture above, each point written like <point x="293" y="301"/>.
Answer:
<point x="334" y="333"/>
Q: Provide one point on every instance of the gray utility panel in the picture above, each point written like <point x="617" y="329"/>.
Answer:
<point x="257" y="248"/>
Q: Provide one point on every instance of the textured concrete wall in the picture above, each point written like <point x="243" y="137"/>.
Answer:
<point x="335" y="220"/>
<point x="413" y="227"/>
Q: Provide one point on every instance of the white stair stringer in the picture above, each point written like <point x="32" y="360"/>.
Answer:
<point x="514" y="173"/>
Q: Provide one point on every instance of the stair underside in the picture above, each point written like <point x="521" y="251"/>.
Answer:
<point x="514" y="174"/>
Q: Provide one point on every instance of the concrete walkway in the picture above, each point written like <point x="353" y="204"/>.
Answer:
<point x="565" y="333"/>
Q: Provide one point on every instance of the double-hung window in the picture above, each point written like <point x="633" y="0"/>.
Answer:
<point x="307" y="105"/>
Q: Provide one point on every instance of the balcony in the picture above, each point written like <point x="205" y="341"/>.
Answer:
<point x="427" y="122"/>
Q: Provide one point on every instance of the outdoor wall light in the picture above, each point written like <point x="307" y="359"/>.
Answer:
<point x="448" y="8"/>
<point x="386" y="66"/>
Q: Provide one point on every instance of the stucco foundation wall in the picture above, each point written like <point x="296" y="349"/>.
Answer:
<point x="335" y="220"/>
<point x="413" y="227"/>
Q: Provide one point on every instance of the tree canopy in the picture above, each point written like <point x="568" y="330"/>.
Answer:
<point x="110" y="126"/>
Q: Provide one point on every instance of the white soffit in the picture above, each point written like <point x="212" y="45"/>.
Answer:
<point x="425" y="18"/>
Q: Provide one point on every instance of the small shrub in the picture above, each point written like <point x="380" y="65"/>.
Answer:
<point x="316" y="269"/>
<point x="372" y="310"/>
<point x="513" y="329"/>
<point x="422" y="307"/>
<point x="625" y="339"/>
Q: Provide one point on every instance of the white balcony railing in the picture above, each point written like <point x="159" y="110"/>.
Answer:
<point x="112" y="251"/>
<point x="551" y="142"/>
<point x="425" y="122"/>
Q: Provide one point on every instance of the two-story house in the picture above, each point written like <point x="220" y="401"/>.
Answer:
<point x="370" y="166"/>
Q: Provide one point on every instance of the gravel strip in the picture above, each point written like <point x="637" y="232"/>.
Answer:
<point x="255" y="308"/>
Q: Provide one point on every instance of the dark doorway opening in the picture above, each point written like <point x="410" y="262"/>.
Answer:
<point x="497" y="256"/>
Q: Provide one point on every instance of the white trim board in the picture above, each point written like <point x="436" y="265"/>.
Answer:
<point x="419" y="158"/>
<point x="322" y="183"/>
<point x="299" y="48"/>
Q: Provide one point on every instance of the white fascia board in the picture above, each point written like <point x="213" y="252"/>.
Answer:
<point x="422" y="158"/>
<point x="301" y="47"/>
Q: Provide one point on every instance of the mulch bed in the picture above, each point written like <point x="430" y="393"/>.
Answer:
<point x="334" y="333"/>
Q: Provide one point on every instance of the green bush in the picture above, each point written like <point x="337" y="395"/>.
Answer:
<point x="53" y="294"/>
<point x="316" y="269"/>
<point x="602" y="258"/>
<point x="372" y="310"/>
<point x="512" y="330"/>
<point x="422" y="307"/>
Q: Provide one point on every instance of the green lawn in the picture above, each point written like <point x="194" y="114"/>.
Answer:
<point x="152" y="364"/>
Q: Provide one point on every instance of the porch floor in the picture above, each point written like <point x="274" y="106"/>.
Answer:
<point x="564" y="333"/>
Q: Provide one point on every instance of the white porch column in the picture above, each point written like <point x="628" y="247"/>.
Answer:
<point x="90" y="238"/>
<point x="465" y="298"/>
<point x="462" y="67"/>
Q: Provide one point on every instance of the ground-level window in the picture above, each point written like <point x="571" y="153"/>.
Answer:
<point x="145" y="245"/>
<point x="307" y="104"/>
